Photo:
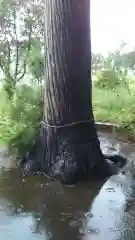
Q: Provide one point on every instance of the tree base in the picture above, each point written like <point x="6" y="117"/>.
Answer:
<point x="71" y="155"/>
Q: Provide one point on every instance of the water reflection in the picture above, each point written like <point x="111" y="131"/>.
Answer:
<point x="37" y="208"/>
<point x="109" y="215"/>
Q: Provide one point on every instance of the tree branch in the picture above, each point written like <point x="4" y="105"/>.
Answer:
<point x="16" y="40"/>
<point x="1" y="66"/>
<point x="9" y="50"/>
<point x="24" y="72"/>
<point x="25" y="61"/>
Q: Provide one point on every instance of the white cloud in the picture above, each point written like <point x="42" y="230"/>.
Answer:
<point x="111" y="22"/>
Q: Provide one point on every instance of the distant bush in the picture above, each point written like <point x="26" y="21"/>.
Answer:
<point x="20" y="119"/>
<point x="107" y="78"/>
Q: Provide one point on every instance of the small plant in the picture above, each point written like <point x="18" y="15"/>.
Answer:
<point x="107" y="78"/>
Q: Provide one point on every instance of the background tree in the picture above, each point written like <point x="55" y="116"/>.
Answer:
<point x="129" y="60"/>
<point x="20" y="23"/>
<point x="36" y="62"/>
<point x="115" y="68"/>
<point x="97" y="62"/>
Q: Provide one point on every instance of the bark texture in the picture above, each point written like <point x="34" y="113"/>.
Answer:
<point x="70" y="150"/>
<point x="69" y="147"/>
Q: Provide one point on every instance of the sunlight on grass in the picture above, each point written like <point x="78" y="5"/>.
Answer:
<point x="113" y="106"/>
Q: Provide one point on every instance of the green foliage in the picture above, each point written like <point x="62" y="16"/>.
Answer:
<point x="129" y="60"/>
<point x="36" y="62"/>
<point x="128" y="123"/>
<point x="20" y="22"/>
<point x="116" y="107"/>
<point x="97" y="62"/>
<point x="20" y="119"/>
<point x="118" y="60"/>
<point x="107" y="78"/>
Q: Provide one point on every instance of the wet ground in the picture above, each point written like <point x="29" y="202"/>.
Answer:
<point x="36" y="208"/>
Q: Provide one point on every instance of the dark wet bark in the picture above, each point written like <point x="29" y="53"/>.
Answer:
<point x="69" y="147"/>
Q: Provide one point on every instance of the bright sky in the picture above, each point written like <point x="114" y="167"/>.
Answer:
<point x="113" y="21"/>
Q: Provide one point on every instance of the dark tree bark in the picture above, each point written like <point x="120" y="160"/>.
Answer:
<point x="68" y="89"/>
<point x="70" y="147"/>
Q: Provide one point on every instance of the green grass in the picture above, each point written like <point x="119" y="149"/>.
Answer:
<point x="112" y="106"/>
<point x="115" y="106"/>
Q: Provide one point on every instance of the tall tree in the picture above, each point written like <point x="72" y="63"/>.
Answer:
<point x="69" y="146"/>
<point x="21" y="23"/>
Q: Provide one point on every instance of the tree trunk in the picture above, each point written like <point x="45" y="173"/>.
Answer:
<point x="69" y="144"/>
<point x="68" y="124"/>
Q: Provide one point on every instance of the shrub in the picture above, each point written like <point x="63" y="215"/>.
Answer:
<point x="107" y="78"/>
<point x="20" y="120"/>
<point x="128" y="123"/>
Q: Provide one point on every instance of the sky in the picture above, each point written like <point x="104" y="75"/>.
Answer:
<point x="112" y="21"/>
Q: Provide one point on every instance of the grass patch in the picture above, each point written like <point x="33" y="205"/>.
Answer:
<point x="115" y="106"/>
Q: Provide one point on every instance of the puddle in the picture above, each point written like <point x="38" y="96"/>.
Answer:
<point x="37" y="209"/>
